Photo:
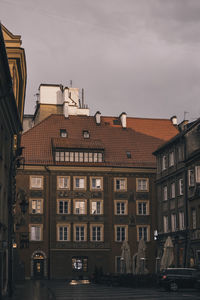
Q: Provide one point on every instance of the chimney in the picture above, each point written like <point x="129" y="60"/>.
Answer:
<point x="123" y="119"/>
<point x="65" y="109"/>
<point x="174" y="120"/>
<point x="98" y="117"/>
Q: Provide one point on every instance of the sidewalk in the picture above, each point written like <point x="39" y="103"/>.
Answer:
<point x="31" y="290"/>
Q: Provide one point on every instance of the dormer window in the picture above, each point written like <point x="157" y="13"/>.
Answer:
<point x="63" y="133"/>
<point x="86" y="134"/>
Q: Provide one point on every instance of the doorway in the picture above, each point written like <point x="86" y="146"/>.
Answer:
<point x="38" y="266"/>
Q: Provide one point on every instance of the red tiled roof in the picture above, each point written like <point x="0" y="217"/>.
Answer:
<point x="74" y="143"/>
<point x="141" y="138"/>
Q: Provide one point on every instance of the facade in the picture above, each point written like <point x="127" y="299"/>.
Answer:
<point x="10" y="128"/>
<point x="89" y="182"/>
<point x="178" y="194"/>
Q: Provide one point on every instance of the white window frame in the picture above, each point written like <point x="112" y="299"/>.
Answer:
<point x="68" y="227"/>
<point x="141" y="228"/>
<point x="191" y="179"/>
<point x="171" y="159"/>
<point x="197" y="174"/>
<point x="96" y="209"/>
<point x="82" y="183"/>
<point x="38" y="235"/>
<point x="146" y="202"/>
<point x="82" y="238"/>
<point x="58" y="206"/>
<point x="80" y="206"/>
<point x="142" y="184"/>
<point x="120" y="202"/>
<point x="101" y="226"/>
<point x="165" y="224"/>
<point x="120" y="184"/>
<point x="164" y="162"/>
<point x="63" y="182"/>
<point x="125" y="229"/>
<point x="98" y="183"/>
<point x="180" y="184"/>
<point x="37" y="210"/>
<point x="36" y="182"/>
<point x="165" y="193"/>
<point x="173" y="222"/>
<point x="181" y="216"/>
<point x="173" y="190"/>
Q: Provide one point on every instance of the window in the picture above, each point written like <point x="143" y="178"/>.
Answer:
<point x="96" y="183"/>
<point x="142" y="184"/>
<point x="78" y="156"/>
<point x="96" y="232"/>
<point x="171" y="159"/>
<point x="63" y="182"/>
<point x="36" y="182"/>
<point x="164" y="162"/>
<point x="197" y="171"/>
<point x="173" y="222"/>
<point x="80" y="207"/>
<point x="63" y="206"/>
<point x="86" y="134"/>
<point x="36" y="232"/>
<point x="36" y="206"/>
<point x="121" y="233"/>
<point x="165" y="196"/>
<point x="180" y="153"/>
<point x="80" y="232"/>
<point x="180" y="183"/>
<point x="142" y="207"/>
<point x="191" y="177"/>
<point x="143" y="232"/>
<point x="173" y="190"/>
<point x="121" y="207"/>
<point x="128" y="154"/>
<point x="63" y="232"/>
<point x="63" y="133"/>
<point x="120" y="184"/>
<point x="96" y="207"/>
<point x="165" y="224"/>
<point x="193" y="218"/>
<point x="181" y="220"/>
<point x="80" y="264"/>
<point x="80" y="183"/>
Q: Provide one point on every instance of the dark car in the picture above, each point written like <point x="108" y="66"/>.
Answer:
<point x="174" y="278"/>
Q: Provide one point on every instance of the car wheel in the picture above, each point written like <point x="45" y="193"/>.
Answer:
<point x="173" y="286"/>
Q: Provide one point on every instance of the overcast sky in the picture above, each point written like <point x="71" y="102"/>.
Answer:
<point x="137" y="56"/>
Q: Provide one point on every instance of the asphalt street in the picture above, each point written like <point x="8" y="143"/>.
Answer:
<point x="78" y="290"/>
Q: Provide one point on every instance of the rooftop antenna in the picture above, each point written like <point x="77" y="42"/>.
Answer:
<point x="70" y="83"/>
<point x="185" y="113"/>
<point x="82" y="98"/>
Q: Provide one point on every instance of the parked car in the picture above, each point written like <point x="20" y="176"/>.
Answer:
<point x="174" y="278"/>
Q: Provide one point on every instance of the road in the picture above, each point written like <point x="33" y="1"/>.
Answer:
<point x="65" y="291"/>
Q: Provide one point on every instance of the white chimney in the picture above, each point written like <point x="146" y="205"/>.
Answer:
<point x="98" y="117"/>
<point x="123" y="119"/>
<point x="174" y="120"/>
<point x="65" y="109"/>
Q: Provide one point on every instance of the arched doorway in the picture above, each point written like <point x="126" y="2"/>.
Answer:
<point x="39" y="265"/>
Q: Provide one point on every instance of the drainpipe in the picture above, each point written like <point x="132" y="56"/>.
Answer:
<point x="187" y="230"/>
<point x="48" y="223"/>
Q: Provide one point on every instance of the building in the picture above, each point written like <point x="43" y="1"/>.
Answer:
<point x="178" y="166"/>
<point x="10" y="128"/>
<point x="89" y="183"/>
